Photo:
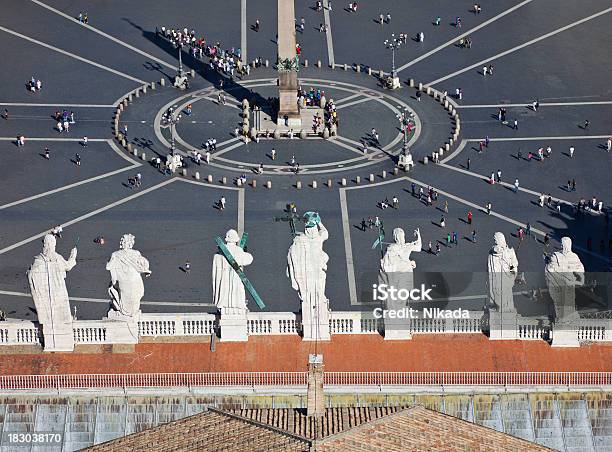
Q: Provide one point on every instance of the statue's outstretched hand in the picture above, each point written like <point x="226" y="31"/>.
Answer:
<point x="73" y="253"/>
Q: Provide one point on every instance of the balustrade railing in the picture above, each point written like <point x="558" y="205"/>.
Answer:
<point x="293" y="379"/>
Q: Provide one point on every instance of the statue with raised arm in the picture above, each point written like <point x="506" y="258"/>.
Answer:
<point x="502" y="266"/>
<point x="126" y="289"/>
<point x="48" y="287"/>
<point x="564" y="272"/>
<point x="306" y="267"/>
<point x="228" y="289"/>
<point x="396" y="268"/>
<point x="396" y="273"/>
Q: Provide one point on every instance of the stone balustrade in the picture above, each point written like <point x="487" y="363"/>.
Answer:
<point x="24" y="332"/>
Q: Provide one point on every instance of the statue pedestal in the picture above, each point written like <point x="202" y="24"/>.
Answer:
<point x="58" y="338"/>
<point x="122" y="329"/>
<point x="397" y="334"/>
<point x="503" y="326"/>
<point x="315" y="322"/>
<point x="233" y="325"/>
<point x="565" y="336"/>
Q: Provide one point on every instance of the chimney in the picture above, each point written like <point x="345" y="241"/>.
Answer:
<point x="315" y="402"/>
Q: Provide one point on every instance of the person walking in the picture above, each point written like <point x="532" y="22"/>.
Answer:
<point x="586" y="124"/>
<point x="468" y="164"/>
<point x="515" y="126"/>
<point x="85" y="141"/>
<point x="469" y="217"/>
<point x="273" y="154"/>
<point x="77" y="159"/>
<point x="47" y="153"/>
<point x="474" y="236"/>
<point x="571" y="151"/>
<point x="187" y="267"/>
<point x="222" y="203"/>
<point x="609" y="144"/>
<point x="516" y="185"/>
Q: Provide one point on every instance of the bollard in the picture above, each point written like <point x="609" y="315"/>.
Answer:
<point x="144" y="89"/>
<point x="319" y="64"/>
<point x="269" y="184"/>
<point x="425" y="160"/>
<point x="395" y="171"/>
<point x="129" y="147"/>
<point x="123" y="143"/>
<point x="305" y="63"/>
<point x="384" y="174"/>
<point x="314" y="184"/>
<point x="253" y="64"/>
<point x="441" y="151"/>
<point x="209" y="179"/>
<point x="254" y="183"/>
<point x="345" y="67"/>
<point x="329" y="183"/>
<point x="130" y="97"/>
<point x="298" y="185"/>
<point x="411" y="83"/>
<point x="381" y="73"/>
<point x="445" y="103"/>
<point x="429" y="90"/>
<point x="224" y="180"/>
<point x="153" y="85"/>
<point x="420" y="87"/>
<point x="369" y="71"/>
<point x="135" y="152"/>
<point x="343" y="182"/>
<point x="358" y="179"/>
<point x="184" y="171"/>
<point x="358" y="68"/>
<point x="371" y="177"/>
<point x="267" y="63"/>
<point x="144" y="156"/>
<point x="326" y="133"/>
<point x="137" y="92"/>
<point x="192" y="73"/>
<point x="239" y="182"/>
<point x="125" y="102"/>
<point x="447" y="147"/>
<point x="451" y="141"/>
<point x="162" y="82"/>
<point x="118" y="112"/>
<point x="197" y="175"/>
<point x="303" y="134"/>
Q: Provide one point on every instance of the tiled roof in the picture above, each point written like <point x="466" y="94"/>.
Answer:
<point x="420" y="429"/>
<point x="211" y="430"/>
<point x="341" y="429"/>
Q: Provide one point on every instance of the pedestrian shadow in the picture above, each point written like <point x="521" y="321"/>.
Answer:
<point x="437" y="224"/>
<point x="183" y="269"/>
<point x="217" y="205"/>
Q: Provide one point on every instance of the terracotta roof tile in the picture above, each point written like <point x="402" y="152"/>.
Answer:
<point x="284" y="429"/>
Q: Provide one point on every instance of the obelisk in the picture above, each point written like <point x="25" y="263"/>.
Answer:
<point x="288" y="113"/>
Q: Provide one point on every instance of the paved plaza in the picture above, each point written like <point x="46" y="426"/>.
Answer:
<point x="557" y="55"/>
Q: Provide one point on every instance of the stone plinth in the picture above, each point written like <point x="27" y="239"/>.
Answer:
<point x="58" y="337"/>
<point x="315" y="321"/>
<point x="503" y="325"/>
<point x="288" y="113"/>
<point x="233" y="325"/>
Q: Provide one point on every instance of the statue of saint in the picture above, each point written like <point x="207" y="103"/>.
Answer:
<point x="48" y="287"/>
<point x="228" y="290"/>
<point x="396" y="268"/>
<point x="306" y="267"/>
<point x="564" y="272"/>
<point x="502" y="266"/>
<point x="126" y="289"/>
<point x="307" y="262"/>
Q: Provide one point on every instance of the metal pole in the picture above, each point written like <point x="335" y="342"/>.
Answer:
<point x="393" y="61"/>
<point x="180" y="70"/>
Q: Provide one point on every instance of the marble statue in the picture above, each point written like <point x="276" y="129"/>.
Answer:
<point x="396" y="268"/>
<point x="228" y="290"/>
<point x="126" y="289"/>
<point x="306" y="267"/>
<point x="396" y="272"/>
<point x="502" y="267"/>
<point x="564" y="272"/>
<point x="48" y="287"/>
